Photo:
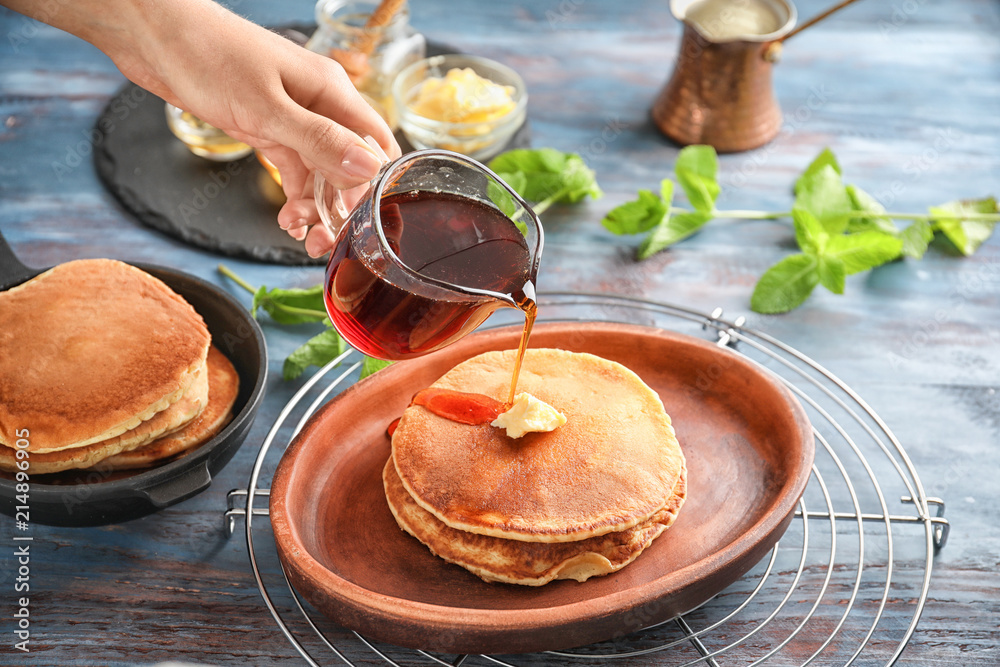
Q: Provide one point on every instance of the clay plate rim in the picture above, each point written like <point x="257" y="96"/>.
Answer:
<point x="379" y="610"/>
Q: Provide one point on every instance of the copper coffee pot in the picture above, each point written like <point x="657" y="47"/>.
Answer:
<point x="720" y="92"/>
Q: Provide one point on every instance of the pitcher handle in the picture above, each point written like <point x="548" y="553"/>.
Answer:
<point x="334" y="213"/>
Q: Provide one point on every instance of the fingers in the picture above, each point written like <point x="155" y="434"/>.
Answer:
<point x="331" y="94"/>
<point x="324" y="89"/>
<point x="303" y="123"/>
<point x="341" y="155"/>
<point x="392" y="150"/>
<point x="319" y="241"/>
<point x="299" y="213"/>
<point x="302" y="137"/>
<point x="295" y="178"/>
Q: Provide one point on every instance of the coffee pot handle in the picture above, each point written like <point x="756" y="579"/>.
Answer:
<point x="772" y="52"/>
<point x="330" y="202"/>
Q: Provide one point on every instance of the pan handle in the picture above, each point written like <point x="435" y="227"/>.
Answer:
<point x="193" y="481"/>
<point x="12" y="271"/>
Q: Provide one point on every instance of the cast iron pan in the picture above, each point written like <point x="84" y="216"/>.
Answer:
<point x="80" y="498"/>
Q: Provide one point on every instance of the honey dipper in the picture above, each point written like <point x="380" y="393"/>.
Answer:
<point x="354" y="60"/>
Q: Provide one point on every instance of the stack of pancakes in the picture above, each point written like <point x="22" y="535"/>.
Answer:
<point x="583" y="500"/>
<point x="105" y="366"/>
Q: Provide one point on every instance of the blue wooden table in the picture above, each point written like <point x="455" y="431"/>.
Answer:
<point x="905" y="92"/>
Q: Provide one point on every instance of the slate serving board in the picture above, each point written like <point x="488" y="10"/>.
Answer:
<point x="226" y="208"/>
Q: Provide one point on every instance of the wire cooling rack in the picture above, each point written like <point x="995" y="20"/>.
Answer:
<point x="845" y="585"/>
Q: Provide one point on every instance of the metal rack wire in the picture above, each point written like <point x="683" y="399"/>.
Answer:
<point x="833" y="591"/>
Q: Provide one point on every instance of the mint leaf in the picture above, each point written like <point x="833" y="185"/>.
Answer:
<point x="371" y="365"/>
<point x="967" y="235"/>
<point x="809" y="234"/>
<point x="667" y="191"/>
<point x="671" y="230"/>
<point x="639" y="215"/>
<point x="863" y="202"/>
<point x="696" y="169"/>
<point x="823" y="194"/>
<point x="507" y="203"/>
<point x="863" y="250"/>
<point x="581" y="181"/>
<point x="832" y="274"/>
<point x="290" y="306"/>
<point x="786" y="285"/>
<point x="319" y="350"/>
<point x="547" y="160"/>
<point x="652" y="212"/>
<point x="545" y="174"/>
<point x="518" y="181"/>
<point x="916" y="238"/>
<point x="826" y="158"/>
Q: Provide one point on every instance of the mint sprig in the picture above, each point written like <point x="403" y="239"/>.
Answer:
<point x="826" y="259"/>
<point x="546" y="176"/>
<point x="840" y="229"/>
<point x="696" y="171"/>
<point x="302" y="306"/>
<point x="319" y="350"/>
<point x="285" y="306"/>
<point x="963" y="222"/>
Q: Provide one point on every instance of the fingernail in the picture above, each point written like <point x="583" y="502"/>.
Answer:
<point x="360" y="163"/>
<point x="370" y="140"/>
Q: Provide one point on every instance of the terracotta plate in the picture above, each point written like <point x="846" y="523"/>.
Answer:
<point x="749" y="450"/>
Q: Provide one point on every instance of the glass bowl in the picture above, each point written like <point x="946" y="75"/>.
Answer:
<point x="479" y="140"/>
<point x="202" y="139"/>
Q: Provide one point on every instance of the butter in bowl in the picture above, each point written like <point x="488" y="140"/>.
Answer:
<point x="466" y="104"/>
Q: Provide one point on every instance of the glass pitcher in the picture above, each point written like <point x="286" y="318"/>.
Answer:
<point x="435" y="245"/>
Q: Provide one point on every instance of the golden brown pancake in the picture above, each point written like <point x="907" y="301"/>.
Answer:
<point x="528" y="563"/>
<point x="612" y="466"/>
<point x="89" y="350"/>
<point x="223" y="387"/>
<point x="177" y="415"/>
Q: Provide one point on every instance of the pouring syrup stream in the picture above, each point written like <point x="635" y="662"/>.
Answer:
<point x="530" y="309"/>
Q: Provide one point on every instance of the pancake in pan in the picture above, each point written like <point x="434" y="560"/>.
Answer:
<point x="612" y="466"/>
<point x="89" y="350"/>
<point x="528" y="563"/>
<point x="223" y="387"/>
<point x="176" y="416"/>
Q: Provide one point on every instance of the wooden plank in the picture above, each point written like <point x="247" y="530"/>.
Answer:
<point x="905" y="93"/>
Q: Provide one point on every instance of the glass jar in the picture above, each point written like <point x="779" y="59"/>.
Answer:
<point x="371" y="56"/>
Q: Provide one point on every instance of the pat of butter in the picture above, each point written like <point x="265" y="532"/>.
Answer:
<point x="529" y="415"/>
<point x="463" y="96"/>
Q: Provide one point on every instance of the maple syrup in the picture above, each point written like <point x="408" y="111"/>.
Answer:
<point x="458" y="406"/>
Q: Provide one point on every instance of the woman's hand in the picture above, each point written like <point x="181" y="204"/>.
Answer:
<point x="299" y="108"/>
